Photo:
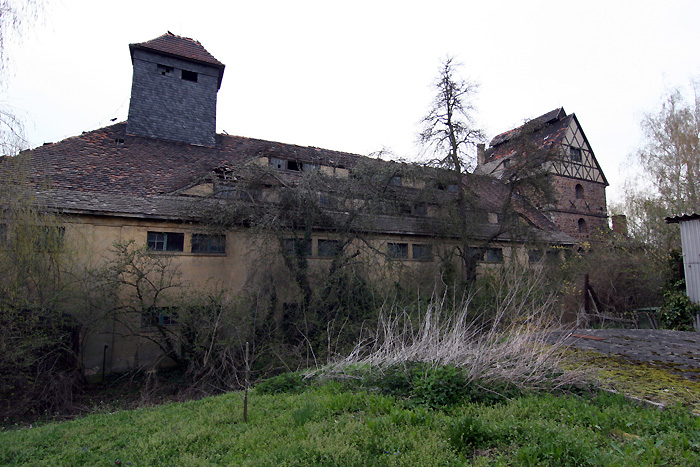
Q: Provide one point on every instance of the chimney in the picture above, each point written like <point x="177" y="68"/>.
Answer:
<point x="480" y="154"/>
<point x="619" y="224"/>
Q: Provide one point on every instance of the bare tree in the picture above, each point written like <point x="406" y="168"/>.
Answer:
<point x="15" y="18"/>
<point x="670" y="160"/>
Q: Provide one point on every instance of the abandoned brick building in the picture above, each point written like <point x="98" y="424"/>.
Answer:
<point x="150" y="179"/>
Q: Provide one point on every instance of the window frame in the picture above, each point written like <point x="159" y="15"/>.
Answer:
<point x="210" y="242"/>
<point x="397" y="250"/>
<point x="152" y="243"/>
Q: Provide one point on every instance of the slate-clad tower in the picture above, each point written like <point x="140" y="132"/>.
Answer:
<point x="173" y="91"/>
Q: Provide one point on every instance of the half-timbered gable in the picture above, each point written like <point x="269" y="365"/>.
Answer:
<point x="580" y="206"/>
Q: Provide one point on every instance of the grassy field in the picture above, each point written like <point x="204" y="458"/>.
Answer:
<point x="333" y="424"/>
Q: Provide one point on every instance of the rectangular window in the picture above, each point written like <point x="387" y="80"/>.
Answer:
<point x="203" y="243"/>
<point x="297" y="246"/>
<point x="158" y="316"/>
<point x="535" y="256"/>
<point x="575" y="154"/>
<point x="494" y="255"/>
<point x="189" y="76"/>
<point x="422" y="252"/>
<point x="166" y="241"/>
<point x="328" y="248"/>
<point x="398" y="250"/>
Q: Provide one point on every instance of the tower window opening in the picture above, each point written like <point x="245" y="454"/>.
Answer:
<point x="165" y="70"/>
<point x="580" y="194"/>
<point x="189" y="75"/>
<point x="582" y="227"/>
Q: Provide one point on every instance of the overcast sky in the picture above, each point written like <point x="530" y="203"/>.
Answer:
<point x="356" y="76"/>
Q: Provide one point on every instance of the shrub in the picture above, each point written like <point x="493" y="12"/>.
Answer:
<point x="284" y="383"/>
<point x="677" y="311"/>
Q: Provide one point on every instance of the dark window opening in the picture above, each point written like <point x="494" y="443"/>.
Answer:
<point x="535" y="256"/>
<point x="189" y="76"/>
<point x="398" y="250"/>
<point x="328" y="248"/>
<point x="297" y="247"/>
<point x="494" y="255"/>
<point x="575" y="154"/>
<point x="579" y="191"/>
<point x="157" y="316"/>
<point x="420" y="210"/>
<point x="203" y="243"/>
<point x="582" y="227"/>
<point x="294" y="165"/>
<point x="165" y="70"/>
<point x="423" y="252"/>
<point x="166" y="241"/>
<point x="449" y="187"/>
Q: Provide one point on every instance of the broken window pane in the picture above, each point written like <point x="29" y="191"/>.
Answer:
<point x="165" y="70"/>
<point x="166" y="241"/>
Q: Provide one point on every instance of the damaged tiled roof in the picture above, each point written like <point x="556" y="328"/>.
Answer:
<point x="178" y="46"/>
<point x="545" y="131"/>
<point x="110" y="161"/>
<point x="107" y="172"/>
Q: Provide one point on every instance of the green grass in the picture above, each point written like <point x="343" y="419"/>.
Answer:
<point x="329" y="424"/>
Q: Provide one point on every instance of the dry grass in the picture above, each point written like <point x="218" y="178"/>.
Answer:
<point x="506" y="340"/>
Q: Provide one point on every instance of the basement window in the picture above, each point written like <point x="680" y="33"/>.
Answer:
<point x="158" y="316"/>
<point x="166" y="241"/>
<point x="398" y="250"/>
<point x="189" y="75"/>
<point x="203" y="243"/>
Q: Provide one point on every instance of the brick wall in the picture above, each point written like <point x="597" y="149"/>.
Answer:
<point x="568" y="210"/>
<point x="170" y="107"/>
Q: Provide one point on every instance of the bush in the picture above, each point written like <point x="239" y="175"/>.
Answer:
<point x="677" y="311"/>
<point x="284" y="383"/>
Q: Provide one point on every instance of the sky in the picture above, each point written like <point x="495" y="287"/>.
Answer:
<point x="357" y="76"/>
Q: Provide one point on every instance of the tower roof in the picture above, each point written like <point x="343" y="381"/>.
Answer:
<point x="178" y="46"/>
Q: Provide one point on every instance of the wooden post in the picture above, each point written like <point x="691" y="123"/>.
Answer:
<point x="586" y="296"/>
<point x="245" y="383"/>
